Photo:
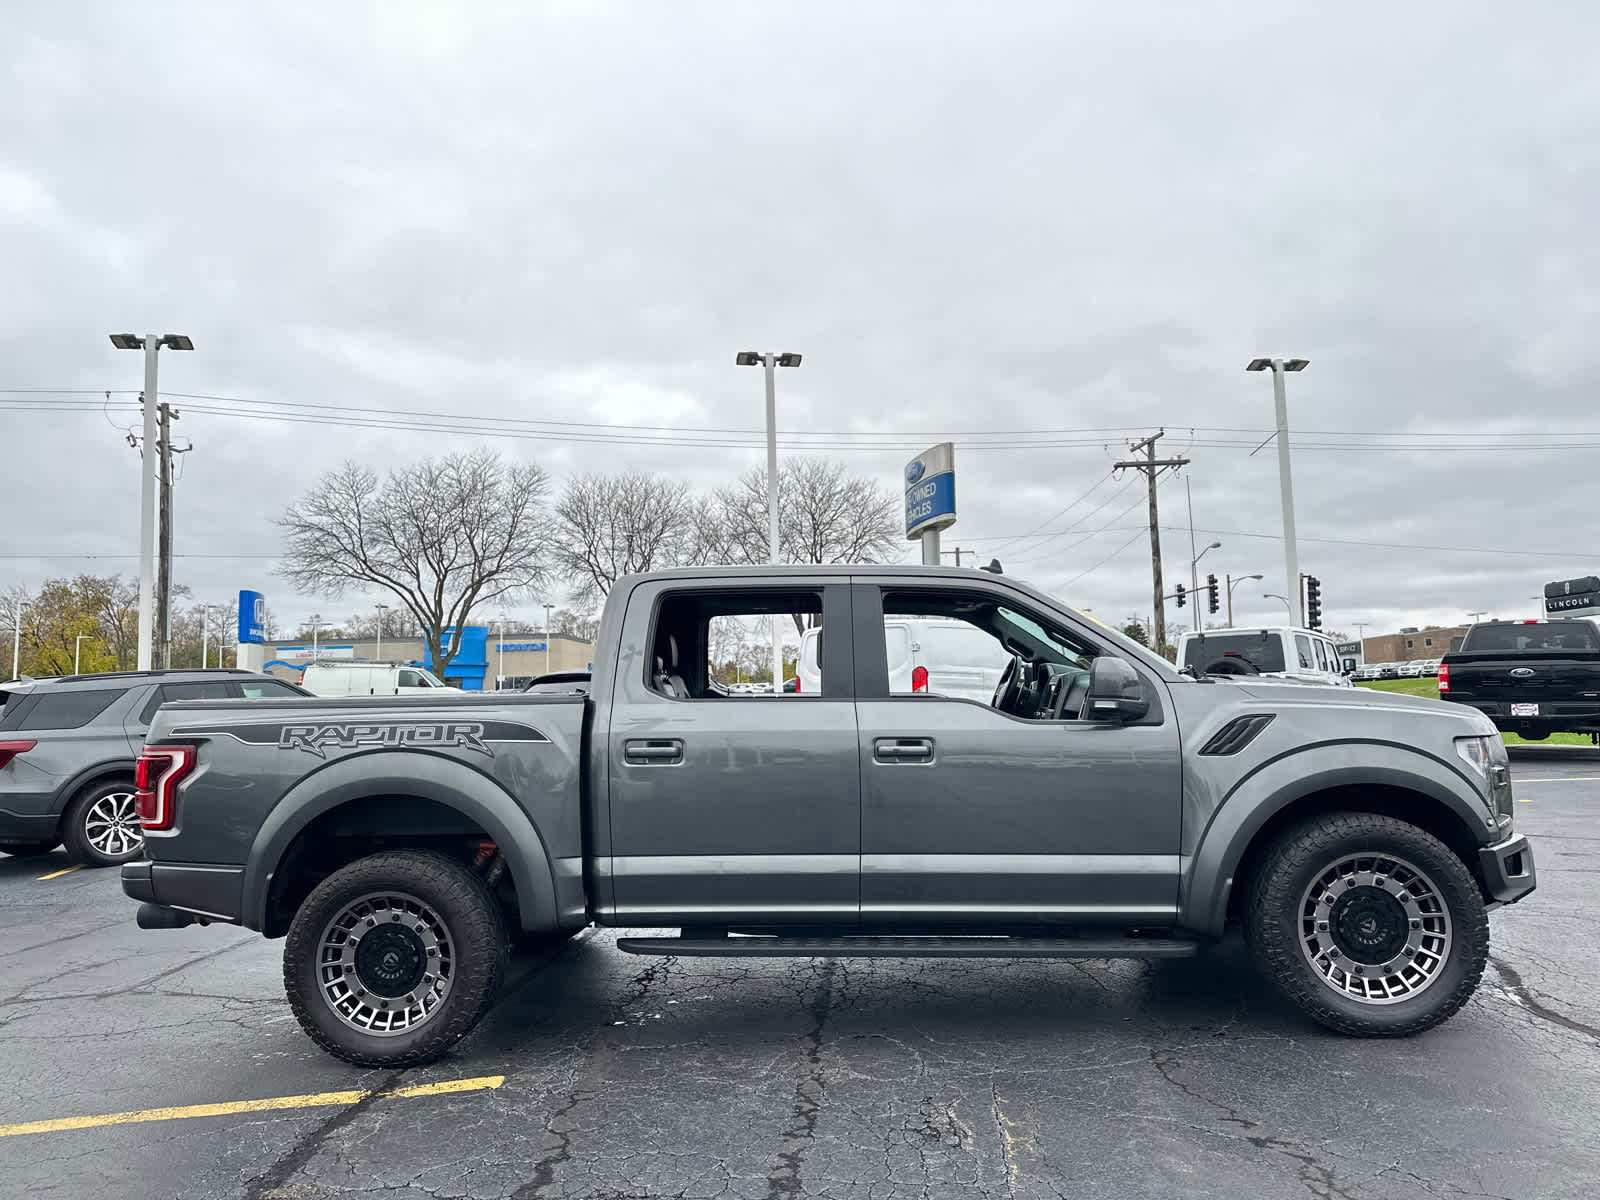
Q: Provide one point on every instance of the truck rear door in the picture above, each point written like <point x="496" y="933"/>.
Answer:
<point x="731" y="809"/>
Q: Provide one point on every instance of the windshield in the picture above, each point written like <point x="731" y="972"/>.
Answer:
<point x="1263" y="650"/>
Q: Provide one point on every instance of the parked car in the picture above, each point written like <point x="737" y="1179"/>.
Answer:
<point x="1531" y="678"/>
<point x="371" y="679"/>
<point x="1389" y="670"/>
<point x="68" y="748"/>
<point x="559" y="683"/>
<point x="1410" y="670"/>
<point x="1100" y="804"/>
<point x="1283" y="652"/>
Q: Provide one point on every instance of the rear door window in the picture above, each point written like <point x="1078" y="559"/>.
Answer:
<point x="267" y="689"/>
<point x="1302" y="646"/>
<point x="67" y="709"/>
<point x="198" y="690"/>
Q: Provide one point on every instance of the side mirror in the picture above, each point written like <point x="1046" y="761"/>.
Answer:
<point x="1349" y="666"/>
<point x="1115" y="692"/>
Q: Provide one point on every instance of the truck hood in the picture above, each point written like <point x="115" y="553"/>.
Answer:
<point x="1305" y="695"/>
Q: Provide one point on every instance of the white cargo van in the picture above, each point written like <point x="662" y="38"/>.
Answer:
<point x="926" y="654"/>
<point x="371" y="679"/>
<point x="1283" y="652"/>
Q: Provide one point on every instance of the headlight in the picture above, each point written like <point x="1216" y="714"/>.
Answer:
<point x="1474" y="751"/>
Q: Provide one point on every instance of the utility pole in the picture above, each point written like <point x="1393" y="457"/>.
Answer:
<point x="957" y="552"/>
<point x="1152" y="467"/>
<point x="162" y="647"/>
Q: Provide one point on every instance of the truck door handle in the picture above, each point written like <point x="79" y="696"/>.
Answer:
<point x="903" y="750"/>
<point x="649" y="752"/>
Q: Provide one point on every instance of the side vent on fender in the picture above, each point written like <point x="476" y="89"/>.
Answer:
<point x="1236" y="734"/>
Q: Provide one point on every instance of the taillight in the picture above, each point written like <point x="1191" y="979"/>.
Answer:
<point x="919" y="679"/>
<point x="9" y="750"/>
<point x="797" y="683"/>
<point x="155" y="779"/>
<point x="1444" y="678"/>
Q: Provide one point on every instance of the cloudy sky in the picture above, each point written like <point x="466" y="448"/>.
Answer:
<point x="1039" y="230"/>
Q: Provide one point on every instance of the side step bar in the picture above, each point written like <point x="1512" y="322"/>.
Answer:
<point x="910" y="947"/>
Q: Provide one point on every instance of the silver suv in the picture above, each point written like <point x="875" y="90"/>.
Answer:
<point x="67" y="752"/>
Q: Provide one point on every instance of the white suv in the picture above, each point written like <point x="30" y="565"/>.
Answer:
<point x="1283" y="652"/>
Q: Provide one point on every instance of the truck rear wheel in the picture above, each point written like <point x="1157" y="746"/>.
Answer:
<point x="1371" y="925"/>
<point x="393" y="959"/>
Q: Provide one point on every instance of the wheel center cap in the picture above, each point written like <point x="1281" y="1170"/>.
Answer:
<point x="1369" y="925"/>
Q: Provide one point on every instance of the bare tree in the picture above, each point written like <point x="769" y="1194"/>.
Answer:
<point x="827" y="516"/>
<point x="608" y="526"/>
<point x="584" y="627"/>
<point x="445" y="536"/>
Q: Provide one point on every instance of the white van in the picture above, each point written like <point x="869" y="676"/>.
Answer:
<point x="1283" y="652"/>
<point x="371" y="679"/>
<point x="926" y="654"/>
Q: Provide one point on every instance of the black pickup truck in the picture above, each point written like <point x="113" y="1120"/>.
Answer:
<point x="1531" y="678"/>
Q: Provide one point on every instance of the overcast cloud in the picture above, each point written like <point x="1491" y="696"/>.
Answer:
<point x="1067" y="217"/>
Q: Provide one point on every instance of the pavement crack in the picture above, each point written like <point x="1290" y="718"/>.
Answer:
<point x="1530" y="1001"/>
<point x="784" y="1179"/>
<point x="268" y="1185"/>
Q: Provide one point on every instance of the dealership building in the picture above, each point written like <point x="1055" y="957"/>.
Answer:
<point x="482" y="659"/>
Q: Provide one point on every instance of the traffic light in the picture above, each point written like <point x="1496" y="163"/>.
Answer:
<point x="1211" y="593"/>
<point x="1313" y="602"/>
<point x="1182" y="595"/>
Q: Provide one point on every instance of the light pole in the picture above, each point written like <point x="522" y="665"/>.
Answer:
<point x="500" y="670"/>
<point x="771" y="361"/>
<point x="205" y="628"/>
<point x="316" y="620"/>
<point x="1286" y="604"/>
<point x="1194" y="579"/>
<point x="547" y="609"/>
<point x="77" y="646"/>
<point x="1291" y="556"/>
<point x="151" y="345"/>
<point x="1473" y="616"/>
<point x="1233" y="583"/>
<point x="378" y="654"/>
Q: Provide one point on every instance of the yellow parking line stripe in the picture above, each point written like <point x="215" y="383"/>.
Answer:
<point x="64" y="871"/>
<point x="316" y="1100"/>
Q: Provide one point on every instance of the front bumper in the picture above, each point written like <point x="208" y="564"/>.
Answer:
<point x="1507" y="870"/>
<point x="212" y="892"/>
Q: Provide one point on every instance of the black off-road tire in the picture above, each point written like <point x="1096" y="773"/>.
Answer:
<point x="27" y="849"/>
<point x="449" y="897"/>
<point x="100" y="827"/>
<point x="1278" y="922"/>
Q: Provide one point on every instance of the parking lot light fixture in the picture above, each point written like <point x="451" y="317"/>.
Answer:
<point x="1286" y="604"/>
<point x="1291" y="556"/>
<point x="771" y="361"/>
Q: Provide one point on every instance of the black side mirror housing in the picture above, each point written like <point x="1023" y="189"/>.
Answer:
<point x="1115" y="692"/>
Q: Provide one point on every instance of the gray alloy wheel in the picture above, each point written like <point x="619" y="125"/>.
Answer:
<point x="101" y="827"/>
<point x="385" y="963"/>
<point x="1375" y="928"/>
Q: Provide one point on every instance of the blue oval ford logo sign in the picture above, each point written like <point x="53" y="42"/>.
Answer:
<point x="914" y="471"/>
<point x="1523" y="672"/>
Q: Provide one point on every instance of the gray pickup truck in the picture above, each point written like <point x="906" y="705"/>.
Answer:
<point x="1101" y="805"/>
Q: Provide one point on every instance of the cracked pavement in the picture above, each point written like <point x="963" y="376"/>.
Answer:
<point x="682" y="1077"/>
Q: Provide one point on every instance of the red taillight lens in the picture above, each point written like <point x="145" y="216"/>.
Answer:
<point x="155" y="779"/>
<point x="797" y="683"/>
<point x="919" y="679"/>
<point x="9" y="750"/>
<point x="1444" y="678"/>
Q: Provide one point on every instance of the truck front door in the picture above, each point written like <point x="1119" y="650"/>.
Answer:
<point x="731" y="807"/>
<point x="1018" y="815"/>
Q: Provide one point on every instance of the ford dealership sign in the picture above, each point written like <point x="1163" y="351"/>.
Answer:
<point x="931" y="490"/>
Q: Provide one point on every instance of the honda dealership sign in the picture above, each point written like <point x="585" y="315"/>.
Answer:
<point x="931" y="490"/>
<point x="252" y="618"/>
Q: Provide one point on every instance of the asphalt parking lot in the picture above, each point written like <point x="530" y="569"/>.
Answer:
<point x="604" y="1075"/>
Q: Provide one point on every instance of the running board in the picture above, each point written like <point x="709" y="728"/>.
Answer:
<point x="910" y="947"/>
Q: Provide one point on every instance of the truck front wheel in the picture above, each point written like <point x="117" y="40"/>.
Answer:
<point x="1371" y="925"/>
<point x="393" y="959"/>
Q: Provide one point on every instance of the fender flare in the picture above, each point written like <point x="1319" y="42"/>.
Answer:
<point x="1275" y="785"/>
<point x="110" y="768"/>
<point x="427" y="776"/>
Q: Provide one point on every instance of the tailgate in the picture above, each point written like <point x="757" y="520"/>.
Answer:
<point x="1526" y="677"/>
